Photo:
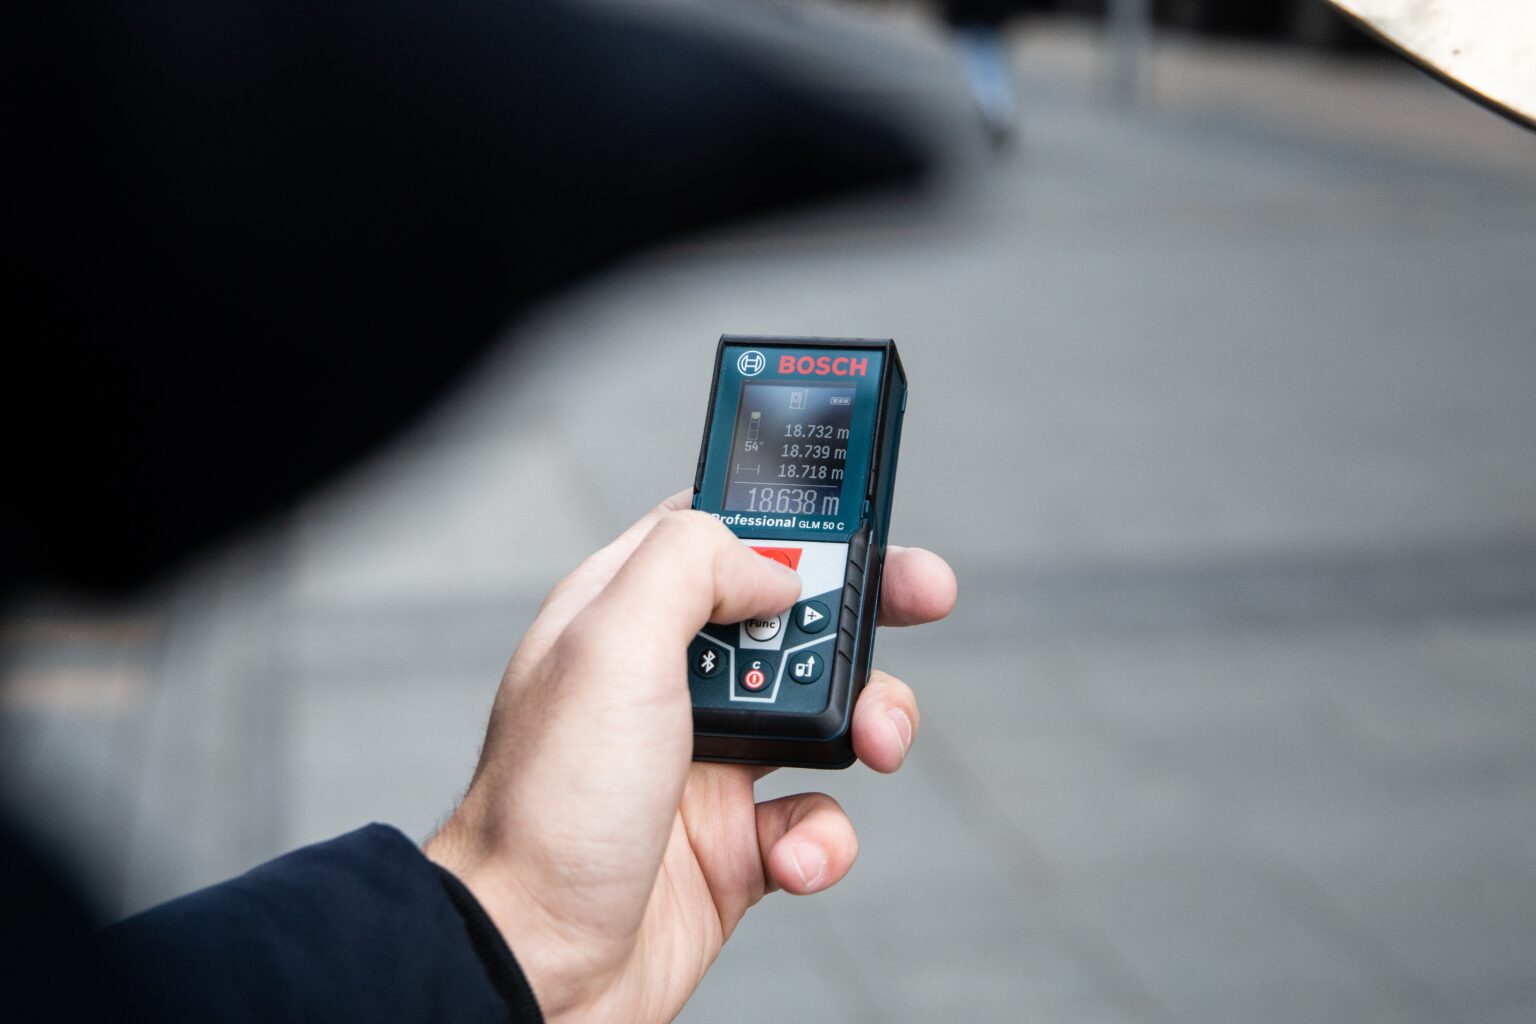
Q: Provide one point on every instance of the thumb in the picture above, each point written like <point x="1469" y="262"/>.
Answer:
<point x="621" y="663"/>
<point x="688" y="571"/>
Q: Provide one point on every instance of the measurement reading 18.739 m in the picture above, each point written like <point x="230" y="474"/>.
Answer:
<point x="813" y="451"/>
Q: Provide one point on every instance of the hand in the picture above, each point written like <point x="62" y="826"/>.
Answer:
<point x="613" y="865"/>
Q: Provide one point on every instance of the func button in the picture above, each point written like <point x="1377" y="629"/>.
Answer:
<point x="805" y="667"/>
<point x="755" y="674"/>
<point x="764" y="629"/>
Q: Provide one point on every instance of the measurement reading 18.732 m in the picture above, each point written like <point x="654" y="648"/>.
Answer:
<point x="816" y="431"/>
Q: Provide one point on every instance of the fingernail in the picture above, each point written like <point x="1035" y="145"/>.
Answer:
<point x="903" y="726"/>
<point x="809" y="862"/>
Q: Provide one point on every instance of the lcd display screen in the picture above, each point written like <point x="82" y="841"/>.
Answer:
<point x="790" y="449"/>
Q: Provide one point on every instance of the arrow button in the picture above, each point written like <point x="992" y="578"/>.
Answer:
<point x="812" y="616"/>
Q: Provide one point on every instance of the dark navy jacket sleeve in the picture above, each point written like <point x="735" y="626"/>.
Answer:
<point x="362" y="928"/>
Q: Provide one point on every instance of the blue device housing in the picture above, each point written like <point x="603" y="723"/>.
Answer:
<point x="788" y="723"/>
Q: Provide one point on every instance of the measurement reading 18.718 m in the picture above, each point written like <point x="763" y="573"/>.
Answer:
<point x="805" y="501"/>
<point x="809" y="471"/>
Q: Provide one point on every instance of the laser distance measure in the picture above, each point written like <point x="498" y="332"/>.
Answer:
<point x="798" y="460"/>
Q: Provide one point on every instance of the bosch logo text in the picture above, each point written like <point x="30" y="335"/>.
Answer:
<point x="824" y="366"/>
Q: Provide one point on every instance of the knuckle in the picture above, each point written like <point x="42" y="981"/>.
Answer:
<point x="821" y="804"/>
<point x="701" y="523"/>
<point x="574" y="643"/>
<point x="572" y="581"/>
<point x="890" y="689"/>
<point x="679" y="527"/>
<point x="678" y="502"/>
<point x="692" y="532"/>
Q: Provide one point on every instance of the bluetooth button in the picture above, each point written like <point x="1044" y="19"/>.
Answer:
<point x="705" y="659"/>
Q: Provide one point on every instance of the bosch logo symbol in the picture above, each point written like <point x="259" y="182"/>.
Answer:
<point x="751" y="363"/>
<point x="823" y="366"/>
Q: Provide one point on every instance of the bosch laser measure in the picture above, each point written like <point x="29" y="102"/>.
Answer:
<point x="798" y="460"/>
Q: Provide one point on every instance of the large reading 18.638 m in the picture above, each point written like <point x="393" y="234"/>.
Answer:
<point x="790" y="449"/>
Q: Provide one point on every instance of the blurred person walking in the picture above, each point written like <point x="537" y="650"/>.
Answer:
<point x="979" y="29"/>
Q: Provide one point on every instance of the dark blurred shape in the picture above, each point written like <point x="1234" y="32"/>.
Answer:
<point x="246" y="241"/>
<point x="47" y="974"/>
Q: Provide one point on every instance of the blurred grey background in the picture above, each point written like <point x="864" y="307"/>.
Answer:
<point x="1224" y="409"/>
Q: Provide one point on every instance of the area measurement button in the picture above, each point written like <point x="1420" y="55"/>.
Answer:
<point x="805" y="667"/>
<point x="756" y="674"/>
<point x="764" y="629"/>
<point x="812" y="617"/>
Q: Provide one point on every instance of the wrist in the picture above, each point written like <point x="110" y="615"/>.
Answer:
<point x="565" y="984"/>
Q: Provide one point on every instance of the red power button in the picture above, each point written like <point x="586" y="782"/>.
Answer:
<point x="755" y="675"/>
<point x="784" y="556"/>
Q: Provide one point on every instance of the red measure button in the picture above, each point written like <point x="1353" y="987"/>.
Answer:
<point x="784" y="556"/>
<point x="754" y="679"/>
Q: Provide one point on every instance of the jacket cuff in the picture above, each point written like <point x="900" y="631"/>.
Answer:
<point x="492" y="949"/>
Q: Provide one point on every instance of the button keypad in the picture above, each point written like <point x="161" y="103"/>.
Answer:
<point x="784" y="662"/>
